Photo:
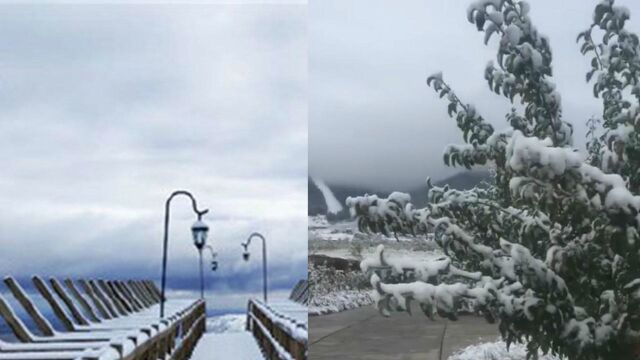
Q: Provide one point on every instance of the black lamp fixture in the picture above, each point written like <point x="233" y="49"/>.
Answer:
<point x="214" y="255"/>
<point x="200" y="230"/>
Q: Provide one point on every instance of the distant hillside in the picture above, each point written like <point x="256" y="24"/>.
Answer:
<point x="463" y="181"/>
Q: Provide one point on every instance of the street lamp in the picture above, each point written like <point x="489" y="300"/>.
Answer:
<point x="245" y="256"/>
<point x="199" y="231"/>
<point x="214" y="262"/>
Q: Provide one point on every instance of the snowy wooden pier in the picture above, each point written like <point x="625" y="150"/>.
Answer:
<point x="102" y="320"/>
<point x="277" y="330"/>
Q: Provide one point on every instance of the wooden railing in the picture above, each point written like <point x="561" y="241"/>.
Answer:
<point x="278" y="336"/>
<point x="106" y="320"/>
<point x="300" y="292"/>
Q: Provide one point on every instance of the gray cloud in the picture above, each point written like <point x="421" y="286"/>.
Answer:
<point x="104" y="110"/>
<point x="372" y="119"/>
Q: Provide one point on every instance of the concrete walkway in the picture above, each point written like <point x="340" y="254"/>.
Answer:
<point x="365" y="334"/>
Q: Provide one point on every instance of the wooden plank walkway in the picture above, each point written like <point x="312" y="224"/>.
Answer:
<point x="235" y="345"/>
<point x="102" y="320"/>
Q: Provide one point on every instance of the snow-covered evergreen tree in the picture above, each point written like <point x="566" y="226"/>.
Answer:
<point x="551" y="249"/>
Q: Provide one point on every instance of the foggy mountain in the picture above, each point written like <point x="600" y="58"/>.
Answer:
<point x="317" y="204"/>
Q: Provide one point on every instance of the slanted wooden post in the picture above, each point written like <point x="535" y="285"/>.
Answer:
<point x="57" y="287"/>
<point x="18" y="327"/>
<point x="57" y="309"/>
<point x="118" y="296"/>
<point x="149" y="292"/>
<point x="102" y="308"/>
<point x="105" y="300"/>
<point x="41" y="322"/>
<point x="81" y="300"/>
<point x="141" y="294"/>
<point x="127" y="294"/>
<point x="124" y="296"/>
<point x="109" y="295"/>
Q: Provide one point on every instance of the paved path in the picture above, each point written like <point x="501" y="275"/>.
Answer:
<point x="365" y="334"/>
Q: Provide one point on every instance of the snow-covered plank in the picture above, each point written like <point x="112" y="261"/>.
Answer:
<point x="237" y="345"/>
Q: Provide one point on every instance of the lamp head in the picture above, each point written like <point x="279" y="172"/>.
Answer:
<point x="200" y="231"/>
<point x="214" y="265"/>
<point x="245" y="253"/>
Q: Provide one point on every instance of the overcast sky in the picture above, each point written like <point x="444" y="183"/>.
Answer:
<point x="372" y="119"/>
<point x="104" y="110"/>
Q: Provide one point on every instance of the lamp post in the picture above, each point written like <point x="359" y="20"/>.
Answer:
<point x="199" y="231"/>
<point x="245" y="256"/>
<point x="214" y="262"/>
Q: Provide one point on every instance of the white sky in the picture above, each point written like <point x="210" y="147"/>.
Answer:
<point x="372" y="119"/>
<point x="104" y="110"/>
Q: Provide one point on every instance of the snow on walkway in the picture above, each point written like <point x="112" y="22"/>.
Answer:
<point x="232" y="346"/>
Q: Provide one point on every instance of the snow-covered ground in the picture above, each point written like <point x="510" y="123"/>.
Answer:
<point x="226" y="323"/>
<point x="336" y="290"/>
<point x="497" y="351"/>
<point x="343" y="240"/>
<point x="321" y="229"/>
<point x="340" y="300"/>
<point x="230" y="345"/>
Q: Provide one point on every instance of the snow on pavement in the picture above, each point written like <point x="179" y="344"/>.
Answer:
<point x="232" y="346"/>
<point x="497" y="350"/>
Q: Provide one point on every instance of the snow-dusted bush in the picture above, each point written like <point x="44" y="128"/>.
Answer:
<point x="496" y="351"/>
<point x="551" y="250"/>
<point x="336" y="290"/>
<point x="339" y="301"/>
<point x="324" y="280"/>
